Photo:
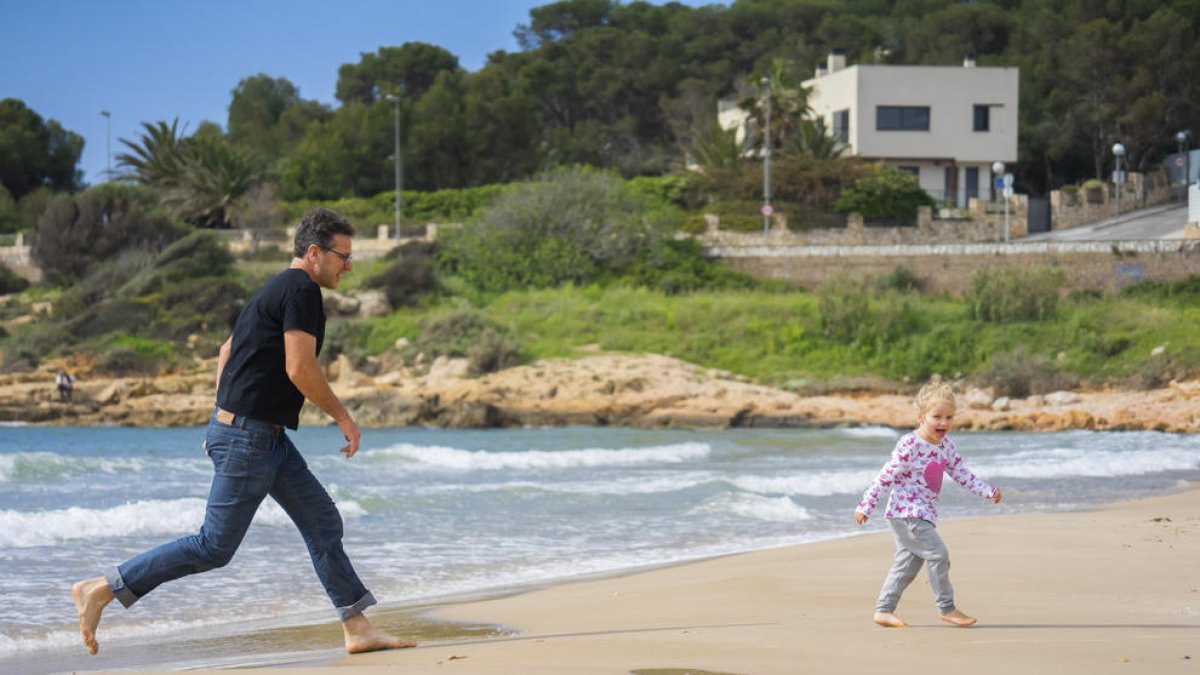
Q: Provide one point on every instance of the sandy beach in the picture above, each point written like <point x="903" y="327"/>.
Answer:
<point x="1114" y="589"/>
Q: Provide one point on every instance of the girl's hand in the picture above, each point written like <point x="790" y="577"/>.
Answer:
<point x="996" y="496"/>
<point x="860" y="517"/>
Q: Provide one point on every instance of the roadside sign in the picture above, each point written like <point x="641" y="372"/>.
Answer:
<point x="1008" y="180"/>
<point x="1008" y="192"/>
<point x="1118" y="177"/>
<point x="1179" y="161"/>
<point x="998" y="183"/>
<point x="767" y="210"/>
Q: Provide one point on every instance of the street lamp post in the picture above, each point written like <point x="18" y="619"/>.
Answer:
<point x="1118" y="149"/>
<point x="997" y="176"/>
<point x="108" y="142"/>
<point x="397" y="163"/>
<point x="766" y="208"/>
<point x="1182" y="137"/>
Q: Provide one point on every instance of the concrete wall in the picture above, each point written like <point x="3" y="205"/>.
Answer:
<point x="1105" y="266"/>
<point x="18" y="259"/>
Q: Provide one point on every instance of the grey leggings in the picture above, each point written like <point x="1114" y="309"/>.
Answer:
<point x="917" y="543"/>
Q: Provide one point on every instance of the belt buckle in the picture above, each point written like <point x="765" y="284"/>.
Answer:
<point x="224" y="416"/>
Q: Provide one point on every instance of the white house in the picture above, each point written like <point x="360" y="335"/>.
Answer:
<point x="947" y="125"/>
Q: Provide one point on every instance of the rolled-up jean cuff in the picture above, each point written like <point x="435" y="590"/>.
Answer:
<point x="119" y="590"/>
<point x="364" y="602"/>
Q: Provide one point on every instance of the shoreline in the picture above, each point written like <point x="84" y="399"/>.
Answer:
<point x="1107" y="588"/>
<point x="620" y="390"/>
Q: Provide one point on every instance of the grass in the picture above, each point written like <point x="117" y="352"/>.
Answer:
<point x="778" y="339"/>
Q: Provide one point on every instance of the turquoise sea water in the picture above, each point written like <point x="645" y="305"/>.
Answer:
<point x="437" y="513"/>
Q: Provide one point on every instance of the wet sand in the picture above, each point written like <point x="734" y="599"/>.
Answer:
<point x="1115" y="589"/>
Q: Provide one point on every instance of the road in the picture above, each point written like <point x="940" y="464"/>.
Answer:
<point x="1165" y="221"/>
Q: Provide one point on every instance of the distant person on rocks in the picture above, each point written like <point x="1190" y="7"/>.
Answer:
<point x="65" y="382"/>
<point x="914" y="473"/>
<point x="265" y="371"/>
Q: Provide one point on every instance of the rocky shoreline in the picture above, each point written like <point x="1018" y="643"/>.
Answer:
<point x="648" y="391"/>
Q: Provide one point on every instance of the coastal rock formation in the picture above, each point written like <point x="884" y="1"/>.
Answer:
<point x="648" y="390"/>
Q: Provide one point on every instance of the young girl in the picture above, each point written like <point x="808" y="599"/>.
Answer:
<point x="914" y="472"/>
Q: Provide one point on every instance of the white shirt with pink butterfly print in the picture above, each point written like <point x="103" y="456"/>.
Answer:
<point x="914" y="472"/>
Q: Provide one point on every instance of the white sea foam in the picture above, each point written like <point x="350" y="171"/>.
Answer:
<point x="174" y="517"/>
<point x="43" y="466"/>
<point x="773" y="509"/>
<point x="1091" y="462"/>
<point x="870" y="432"/>
<point x="467" y="460"/>
<point x="812" y="484"/>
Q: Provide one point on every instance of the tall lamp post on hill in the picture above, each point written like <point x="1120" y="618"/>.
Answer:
<point x="397" y="162"/>
<point x="767" y="209"/>
<point x="108" y="143"/>
<point x="1182" y="138"/>
<point x="1118" y="150"/>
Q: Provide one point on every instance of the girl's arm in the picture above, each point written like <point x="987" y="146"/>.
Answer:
<point x="896" y="464"/>
<point x="957" y="468"/>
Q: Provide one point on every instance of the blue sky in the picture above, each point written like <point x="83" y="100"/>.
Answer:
<point x="149" y="60"/>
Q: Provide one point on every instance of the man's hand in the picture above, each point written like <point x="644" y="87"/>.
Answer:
<point x="352" y="433"/>
<point x="860" y="517"/>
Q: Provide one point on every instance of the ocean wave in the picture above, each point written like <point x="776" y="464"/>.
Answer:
<point x="173" y="517"/>
<point x="869" y="432"/>
<point x="812" y="484"/>
<point x="773" y="509"/>
<point x="46" y="466"/>
<point x="1089" y="462"/>
<point x="467" y="460"/>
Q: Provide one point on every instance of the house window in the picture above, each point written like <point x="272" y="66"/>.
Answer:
<point x="841" y="126"/>
<point x="911" y="170"/>
<point x="982" y="118"/>
<point x="901" y="118"/>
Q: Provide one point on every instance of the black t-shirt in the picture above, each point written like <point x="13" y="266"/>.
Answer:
<point x="254" y="382"/>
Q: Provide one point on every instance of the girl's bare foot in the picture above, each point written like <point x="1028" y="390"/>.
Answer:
<point x="957" y="618"/>
<point x="91" y="597"/>
<point x="361" y="637"/>
<point x="889" y="620"/>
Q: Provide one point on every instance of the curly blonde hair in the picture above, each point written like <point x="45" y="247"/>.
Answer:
<point x="933" y="393"/>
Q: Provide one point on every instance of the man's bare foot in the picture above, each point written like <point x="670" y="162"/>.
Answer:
<point x="361" y="637"/>
<point x="957" y="618"/>
<point x="889" y="620"/>
<point x="91" y="597"/>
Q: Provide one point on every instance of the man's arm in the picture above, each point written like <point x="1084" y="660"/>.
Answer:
<point x="300" y="350"/>
<point x="223" y="358"/>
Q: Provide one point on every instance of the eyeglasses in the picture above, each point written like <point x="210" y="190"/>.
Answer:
<point x="347" y="258"/>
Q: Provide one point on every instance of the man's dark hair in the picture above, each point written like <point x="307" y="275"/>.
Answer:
<point x="318" y="227"/>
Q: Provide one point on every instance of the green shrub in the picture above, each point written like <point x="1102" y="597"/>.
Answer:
<point x="467" y="333"/>
<point x="677" y="266"/>
<point x="571" y="226"/>
<point x="1006" y="295"/>
<point x="844" y="308"/>
<point x="125" y="355"/>
<point x="899" y="279"/>
<point x="1020" y="373"/>
<point x="884" y="194"/>
<point x="1182" y="289"/>
<point x="10" y="281"/>
<point x="409" y="276"/>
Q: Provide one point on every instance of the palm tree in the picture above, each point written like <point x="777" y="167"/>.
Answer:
<point x="789" y="104"/>
<point x="814" y="141"/>
<point x="212" y="177"/>
<point x="155" y="156"/>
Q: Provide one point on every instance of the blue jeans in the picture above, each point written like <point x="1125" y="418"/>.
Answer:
<point x="251" y="460"/>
